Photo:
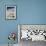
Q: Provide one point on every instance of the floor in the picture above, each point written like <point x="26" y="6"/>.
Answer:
<point x="30" y="43"/>
<point x="7" y="45"/>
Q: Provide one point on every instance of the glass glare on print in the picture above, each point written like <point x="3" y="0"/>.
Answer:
<point x="11" y="12"/>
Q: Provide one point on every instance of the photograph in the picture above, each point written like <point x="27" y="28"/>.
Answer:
<point x="11" y="12"/>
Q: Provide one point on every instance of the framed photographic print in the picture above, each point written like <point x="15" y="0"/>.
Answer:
<point x="11" y="12"/>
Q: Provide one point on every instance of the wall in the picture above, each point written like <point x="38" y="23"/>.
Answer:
<point x="6" y="26"/>
<point x="28" y="12"/>
<point x="33" y="11"/>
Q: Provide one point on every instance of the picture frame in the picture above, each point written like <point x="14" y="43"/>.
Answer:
<point x="10" y="12"/>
